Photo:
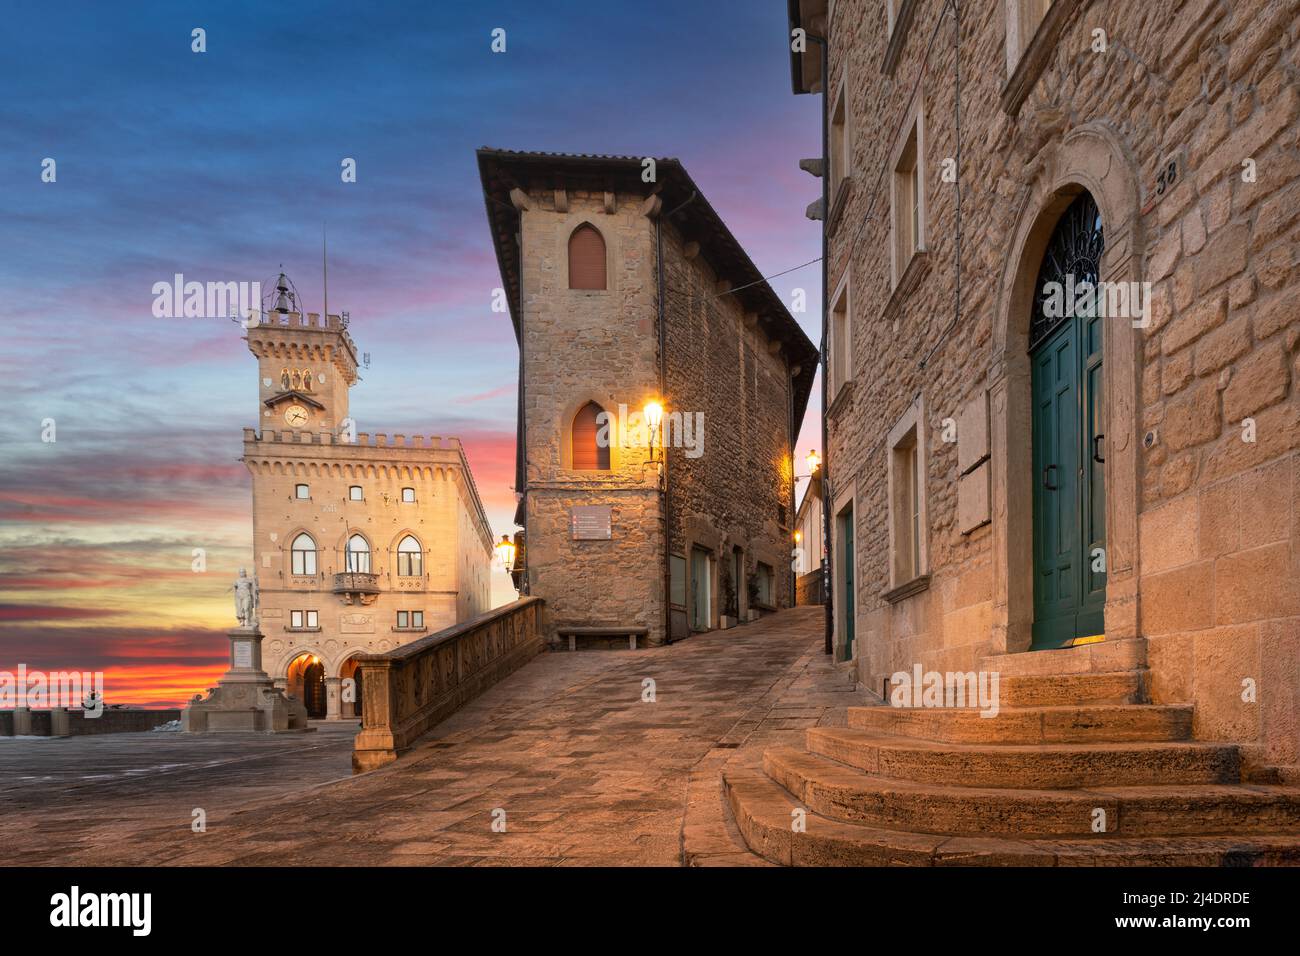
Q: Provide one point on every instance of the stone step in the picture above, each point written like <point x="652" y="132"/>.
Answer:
<point x="1113" y="723"/>
<point x="1049" y="690"/>
<point x="763" y="812"/>
<point x="1107" y="656"/>
<point x="1035" y="766"/>
<point x="843" y="793"/>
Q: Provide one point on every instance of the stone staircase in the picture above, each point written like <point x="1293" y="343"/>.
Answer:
<point x="1074" y="738"/>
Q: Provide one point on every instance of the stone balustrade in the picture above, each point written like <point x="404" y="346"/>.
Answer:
<point x="407" y="691"/>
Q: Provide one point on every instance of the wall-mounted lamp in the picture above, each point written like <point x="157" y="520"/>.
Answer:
<point x="506" y="552"/>
<point x="814" y="461"/>
<point x="653" y="413"/>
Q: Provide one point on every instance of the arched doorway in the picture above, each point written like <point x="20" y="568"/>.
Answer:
<point x="305" y="679"/>
<point x="1068" y="432"/>
<point x="352" y="696"/>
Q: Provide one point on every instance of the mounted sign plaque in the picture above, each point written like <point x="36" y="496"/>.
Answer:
<point x="591" y="522"/>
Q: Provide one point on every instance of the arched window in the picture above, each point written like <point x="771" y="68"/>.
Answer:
<point x="410" y="562"/>
<point x="358" y="556"/>
<point x="590" y="452"/>
<point x="303" y="553"/>
<point x="586" y="258"/>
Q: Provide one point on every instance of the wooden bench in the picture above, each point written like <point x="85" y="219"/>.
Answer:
<point x="573" y="633"/>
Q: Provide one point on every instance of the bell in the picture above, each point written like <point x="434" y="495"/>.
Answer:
<point x="282" y="303"/>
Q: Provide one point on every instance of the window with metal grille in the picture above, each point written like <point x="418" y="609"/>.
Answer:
<point x="586" y="258"/>
<point x="590" y="441"/>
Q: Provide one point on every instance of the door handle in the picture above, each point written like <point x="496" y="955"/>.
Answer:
<point x="1096" y="450"/>
<point x="1047" y="484"/>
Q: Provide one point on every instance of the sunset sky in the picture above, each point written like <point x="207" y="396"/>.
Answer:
<point x="224" y="165"/>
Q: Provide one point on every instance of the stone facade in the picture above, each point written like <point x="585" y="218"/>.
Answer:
<point x="1180" y="120"/>
<point x="729" y="369"/>
<point x="409" y="487"/>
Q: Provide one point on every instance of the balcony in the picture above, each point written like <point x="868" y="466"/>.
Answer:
<point x="356" y="586"/>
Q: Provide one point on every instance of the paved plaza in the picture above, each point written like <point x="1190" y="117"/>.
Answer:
<point x="565" y="752"/>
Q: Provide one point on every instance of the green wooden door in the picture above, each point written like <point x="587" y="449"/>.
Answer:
<point x="847" y="597"/>
<point x="1069" y="484"/>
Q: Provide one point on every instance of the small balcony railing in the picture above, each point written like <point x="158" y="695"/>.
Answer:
<point x="356" y="582"/>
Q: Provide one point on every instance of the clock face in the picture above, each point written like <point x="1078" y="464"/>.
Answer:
<point x="295" y="415"/>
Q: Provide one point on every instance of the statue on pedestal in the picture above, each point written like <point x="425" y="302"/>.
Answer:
<point x="246" y="596"/>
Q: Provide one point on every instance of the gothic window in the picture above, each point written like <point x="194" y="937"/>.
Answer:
<point x="590" y="453"/>
<point x="1073" y="258"/>
<point x="358" y="555"/>
<point x="410" y="562"/>
<point x="586" y="258"/>
<point x="303" y="554"/>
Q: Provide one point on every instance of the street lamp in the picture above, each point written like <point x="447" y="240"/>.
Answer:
<point x="506" y="552"/>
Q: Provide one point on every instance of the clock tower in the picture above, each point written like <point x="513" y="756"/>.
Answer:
<point x="305" y="365"/>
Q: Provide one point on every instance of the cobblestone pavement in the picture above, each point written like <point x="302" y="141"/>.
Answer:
<point x="585" y="771"/>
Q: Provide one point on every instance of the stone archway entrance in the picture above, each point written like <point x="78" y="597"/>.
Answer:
<point x="1067" y="332"/>
<point x="305" y="679"/>
<point x="356" y="690"/>
<point x="1090" y="160"/>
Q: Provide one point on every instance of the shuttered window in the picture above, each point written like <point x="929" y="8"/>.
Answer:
<point x="588" y="454"/>
<point x="586" y="258"/>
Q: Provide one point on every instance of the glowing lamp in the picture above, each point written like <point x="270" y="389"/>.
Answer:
<point x="814" y="461"/>
<point x="506" y="552"/>
<point x="654" y="414"/>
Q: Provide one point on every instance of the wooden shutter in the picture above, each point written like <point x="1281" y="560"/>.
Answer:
<point x="587" y="454"/>
<point x="586" y="258"/>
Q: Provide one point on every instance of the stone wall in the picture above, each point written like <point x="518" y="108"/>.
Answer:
<point x="72" y="722"/>
<point x="736" y="491"/>
<point x="1214" y="577"/>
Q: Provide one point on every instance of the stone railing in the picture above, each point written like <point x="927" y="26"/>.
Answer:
<point x="409" y="690"/>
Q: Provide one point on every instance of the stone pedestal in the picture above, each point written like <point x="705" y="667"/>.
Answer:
<point x="246" y="699"/>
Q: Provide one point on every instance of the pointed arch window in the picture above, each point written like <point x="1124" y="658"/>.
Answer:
<point x="410" y="561"/>
<point x="358" y="555"/>
<point x="590" y="452"/>
<point x="586" y="258"/>
<point x="303" y="554"/>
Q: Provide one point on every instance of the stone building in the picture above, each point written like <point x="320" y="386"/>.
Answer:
<point x="1062" y="345"/>
<point x="361" y="542"/>
<point x="628" y="293"/>
<point x="809" y="543"/>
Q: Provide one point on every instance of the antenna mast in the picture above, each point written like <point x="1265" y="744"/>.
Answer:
<point x="325" y="271"/>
